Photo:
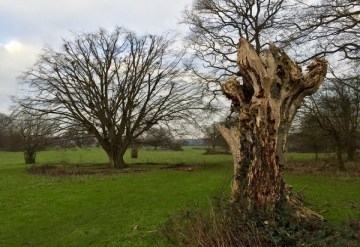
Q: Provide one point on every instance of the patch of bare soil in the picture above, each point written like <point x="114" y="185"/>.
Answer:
<point x="180" y="167"/>
<point x="58" y="170"/>
<point x="323" y="167"/>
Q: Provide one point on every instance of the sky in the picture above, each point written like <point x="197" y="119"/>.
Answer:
<point x="26" y="26"/>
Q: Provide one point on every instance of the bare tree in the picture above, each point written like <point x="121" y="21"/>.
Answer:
<point x="217" y="25"/>
<point x="320" y="28"/>
<point x="116" y="85"/>
<point x="34" y="132"/>
<point x="337" y="111"/>
<point x="330" y="26"/>
<point x="213" y="136"/>
<point x="158" y="137"/>
<point x="310" y="137"/>
<point x="266" y="100"/>
<point x="5" y="121"/>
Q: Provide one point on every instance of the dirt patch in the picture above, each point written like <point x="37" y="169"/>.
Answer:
<point x="58" y="170"/>
<point x="180" y="167"/>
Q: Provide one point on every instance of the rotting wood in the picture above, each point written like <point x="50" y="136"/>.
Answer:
<point x="266" y="98"/>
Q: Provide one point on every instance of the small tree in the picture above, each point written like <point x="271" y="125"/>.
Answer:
<point x="115" y="85"/>
<point x="158" y="137"/>
<point x="213" y="137"/>
<point x="34" y="132"/>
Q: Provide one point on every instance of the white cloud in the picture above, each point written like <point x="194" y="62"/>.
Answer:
<point x="13" y="46"/>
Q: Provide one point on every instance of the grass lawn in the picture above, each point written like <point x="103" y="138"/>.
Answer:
<point x="126" y="209"/>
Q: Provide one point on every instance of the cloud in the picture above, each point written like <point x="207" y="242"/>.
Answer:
<point x="15" y="57"/>
<point x="52" y="19"/>
<point x="13" y="46"/>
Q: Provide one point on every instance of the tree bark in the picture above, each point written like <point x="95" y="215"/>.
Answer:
<point x="266" y="100"/>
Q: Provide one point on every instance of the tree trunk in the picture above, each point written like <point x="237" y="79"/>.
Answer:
<point x="29" y="157"/>
<point x="117" y="160"/>
<point x="116" y="156"/>
<point x="134" y="151"/>
<point x="340" y="160"/>
<point x="339" y="155"/>
<point x="266" y="100"/>
<point x="351" y="152"/>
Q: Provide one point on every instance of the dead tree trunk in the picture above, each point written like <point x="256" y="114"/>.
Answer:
<point x="266" y="98"/>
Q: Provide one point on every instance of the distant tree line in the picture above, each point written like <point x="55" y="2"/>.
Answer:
<point x="29" y="133"/>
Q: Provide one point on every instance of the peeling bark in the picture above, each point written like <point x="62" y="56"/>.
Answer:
<point x="266" y="99"/>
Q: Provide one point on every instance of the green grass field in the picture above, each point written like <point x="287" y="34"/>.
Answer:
<point x="126" y="209"/>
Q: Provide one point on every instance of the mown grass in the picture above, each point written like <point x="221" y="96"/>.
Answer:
<point x="127" y="209"/>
